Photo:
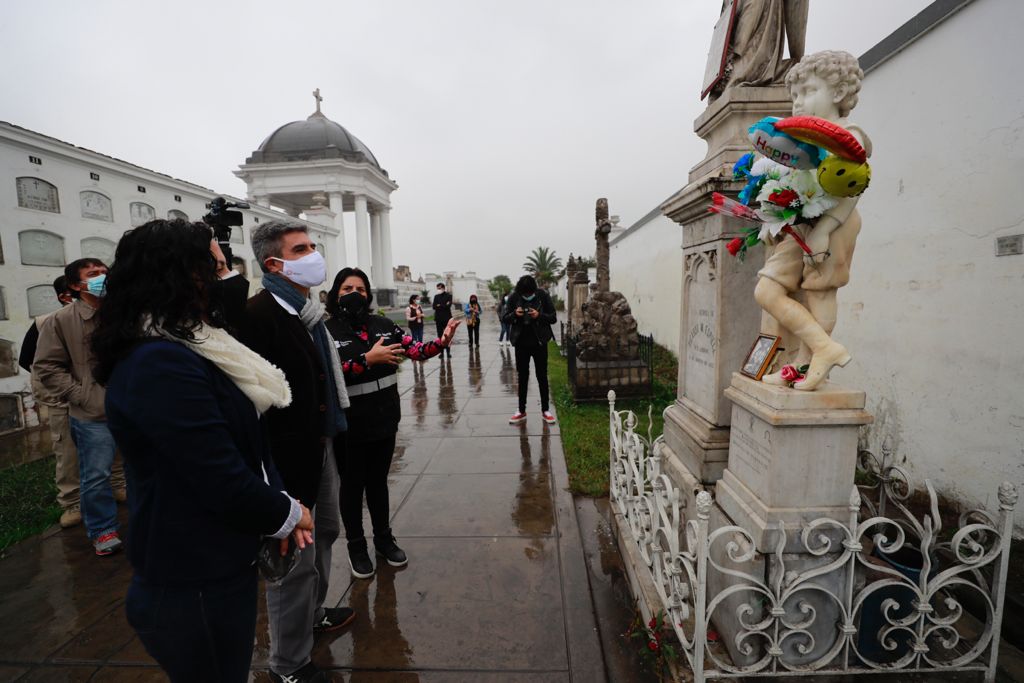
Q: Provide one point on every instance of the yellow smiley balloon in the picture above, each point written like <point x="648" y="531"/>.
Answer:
<point x="843" y="178"/>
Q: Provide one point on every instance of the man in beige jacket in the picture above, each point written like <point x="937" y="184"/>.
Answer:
<point x="63" y="367"/>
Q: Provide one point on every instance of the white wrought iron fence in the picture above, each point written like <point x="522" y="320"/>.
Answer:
<point x="849" y="602"/>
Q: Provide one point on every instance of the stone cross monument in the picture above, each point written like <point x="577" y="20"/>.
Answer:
<point x="603" y="229"/>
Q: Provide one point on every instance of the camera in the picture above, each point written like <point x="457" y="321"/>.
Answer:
<point x="528" y="306"/>
<point x="221" y="219"/>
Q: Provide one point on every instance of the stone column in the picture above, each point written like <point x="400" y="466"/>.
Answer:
<point x="261" y="200"/>
<point x="387" y="283"/>
<point x="337" y="205"/>
<point x="376" y="277"/>
<point x="385" y="239"/>
<point x="363" y="256"/>
<point x="719" y="318"/>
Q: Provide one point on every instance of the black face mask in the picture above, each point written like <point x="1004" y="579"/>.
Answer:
<point x="354" y="306"/>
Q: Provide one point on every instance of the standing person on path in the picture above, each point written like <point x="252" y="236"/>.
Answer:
<point x="442" y="311"/>
<point x="285" y="326"/>
<point x="502" y="307"/>
<point x="183" y="402"/>
<point x="414" y="316"/>
<point x="67" y="476"/>
<point x="530" y="315"/>
<point x="472" y="312"/>
<point x="370" y="347"/>
<point x="63" y="364"/>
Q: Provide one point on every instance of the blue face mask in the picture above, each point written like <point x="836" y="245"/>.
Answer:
<point x="529" y="298"/>
<point x="97" y="285"/>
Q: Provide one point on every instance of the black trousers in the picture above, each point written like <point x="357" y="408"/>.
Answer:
<point x="364" y="470"/>
<point x="525" y="350"/>
<point x="474" y="333"/>
<point x="441" y="324"/>
<point x="197" y="633"/>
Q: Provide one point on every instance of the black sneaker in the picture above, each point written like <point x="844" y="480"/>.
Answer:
<point x="390" y="551"/>
<point x="307" y="674"/>
<point x="335" y="618"/>
<point x="359" y="560"/>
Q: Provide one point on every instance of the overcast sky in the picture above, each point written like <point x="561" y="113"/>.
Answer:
<point x="501" y="121"/>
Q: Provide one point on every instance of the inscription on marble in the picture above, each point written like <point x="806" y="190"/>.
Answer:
<point x="175" y="215"/>
<point x="750" y="450"/>
<point x="99" y="248"/>
<point x="41" y="248"/>
<point x="141" y="213"/>
<point x="37" y="194"/>
<point x="701" y="343"/>
<point x="96" y="206"/>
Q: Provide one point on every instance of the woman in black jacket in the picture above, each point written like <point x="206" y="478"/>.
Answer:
<point x="183" y="402"/>
<point x="370" y="347"/>
<point x="530" y="315"/>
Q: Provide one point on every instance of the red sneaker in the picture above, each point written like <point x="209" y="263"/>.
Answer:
<point x="517" y="419"/>
<point x="548" y="417"/>
<point x="107" y="544"/>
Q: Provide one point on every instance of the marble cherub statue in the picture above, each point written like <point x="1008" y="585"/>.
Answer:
<point x="799" y="290"/>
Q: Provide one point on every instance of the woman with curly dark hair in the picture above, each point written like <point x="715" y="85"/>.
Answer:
<point x="370" y="348"/>
<point x="183" y="403"/>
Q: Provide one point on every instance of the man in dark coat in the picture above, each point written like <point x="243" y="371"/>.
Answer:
<point x="283" y="325"/>
<point x="442" y="311"/>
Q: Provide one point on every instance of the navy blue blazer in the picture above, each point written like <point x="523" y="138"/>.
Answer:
<point x="194" y="455"/>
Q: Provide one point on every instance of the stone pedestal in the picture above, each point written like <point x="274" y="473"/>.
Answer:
<point x="719" y="317"/>
<point x="792" y="456"/>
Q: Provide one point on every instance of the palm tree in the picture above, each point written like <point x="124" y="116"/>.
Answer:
<point x="544" y="265"/>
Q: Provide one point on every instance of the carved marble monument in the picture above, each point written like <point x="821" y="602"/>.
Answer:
<point x="606" y="339"/>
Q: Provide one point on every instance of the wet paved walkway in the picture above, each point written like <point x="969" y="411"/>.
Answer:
<point x="496" y="588"/>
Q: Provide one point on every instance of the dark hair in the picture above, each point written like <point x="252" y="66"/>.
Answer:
<point x="472" y="298"/>
<point x="72" y="273"/>
<point x="441" y="285"/>
<point x="163" y="270"/>
<point x="526" y="285"/>
<point x="413" y="298"/>
<point x="344" y="274"/>
<point x="60" y="285"/>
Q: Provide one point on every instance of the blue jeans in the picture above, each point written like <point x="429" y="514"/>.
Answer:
<point x="417" y="332"/>
<point x="504" y="331"/>
<point x="197" y="634"/>
<point x="96" y="448"/>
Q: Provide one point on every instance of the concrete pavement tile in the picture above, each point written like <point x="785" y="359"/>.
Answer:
<point x="414" y="406"/>
<point x="413" y="452"/>
<point x="132" y="652"/>
<point x="9" y="674"/>
<point x="98" y="642"/>
<point x="129" y="674"/>
<point x="512" y="454"/>
<point x="461" y="603"/>
<point x="59" y="674"/>
<point x="54" y="589"/>
<point x="497" y="425"/>
<point x="493" y="405"/>
<point x="478" y="505"/>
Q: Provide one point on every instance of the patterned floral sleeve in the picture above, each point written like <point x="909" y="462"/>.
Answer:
<point x="418" y="350"/>
<point x="358" y="365"/>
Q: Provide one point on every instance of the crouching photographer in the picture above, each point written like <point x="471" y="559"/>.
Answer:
<point x="530" y="315"/>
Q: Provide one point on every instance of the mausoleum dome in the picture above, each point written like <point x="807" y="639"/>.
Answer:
<point x="315" y="138"/>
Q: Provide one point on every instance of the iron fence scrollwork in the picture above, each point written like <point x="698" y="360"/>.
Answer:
<point x="885" y="615"/>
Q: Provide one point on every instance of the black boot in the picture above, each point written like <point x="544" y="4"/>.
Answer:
<point x="359" y="559"/>
<point x="389" y="550"/>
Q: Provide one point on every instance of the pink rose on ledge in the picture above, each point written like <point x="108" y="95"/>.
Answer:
<point x="789" y="373"/>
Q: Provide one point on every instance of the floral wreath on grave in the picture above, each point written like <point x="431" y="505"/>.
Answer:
<point x="802" y="166"/>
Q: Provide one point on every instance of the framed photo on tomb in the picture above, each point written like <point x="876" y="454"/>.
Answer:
<point x="718" y="55"/>
<point x="760" y="357"/>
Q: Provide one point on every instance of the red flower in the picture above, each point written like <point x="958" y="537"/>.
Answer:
<point x="734" y="246"/>
<point x="652" y="623"/>
<point x="783" y="197"/>
<point x="653" y="646"/>
<point x="790" y="373"/>
<point x="717" y="199"/>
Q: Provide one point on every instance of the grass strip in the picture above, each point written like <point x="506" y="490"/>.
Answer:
<point x="28" y="500"/>
<point x="584" y="426"/>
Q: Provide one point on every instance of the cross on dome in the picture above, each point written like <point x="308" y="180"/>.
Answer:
<point x="316" y="96"/>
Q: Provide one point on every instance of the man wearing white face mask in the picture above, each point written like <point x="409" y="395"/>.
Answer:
<point x="285" y="325"/>
<point x="63" y="366"/>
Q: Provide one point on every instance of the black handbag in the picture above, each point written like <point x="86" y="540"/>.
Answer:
<point x="272" y="565"/>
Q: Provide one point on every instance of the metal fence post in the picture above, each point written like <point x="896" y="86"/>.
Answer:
<point x="699" y="614"/>
<point x="1007" y="502"/>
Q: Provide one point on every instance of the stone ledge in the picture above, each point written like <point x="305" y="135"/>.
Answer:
<point x="829" y="405"/>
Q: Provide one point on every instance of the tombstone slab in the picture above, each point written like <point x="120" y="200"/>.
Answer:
<point x="792" y="456"/>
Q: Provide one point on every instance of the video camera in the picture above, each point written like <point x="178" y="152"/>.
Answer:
<point x="221" y="219"/>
